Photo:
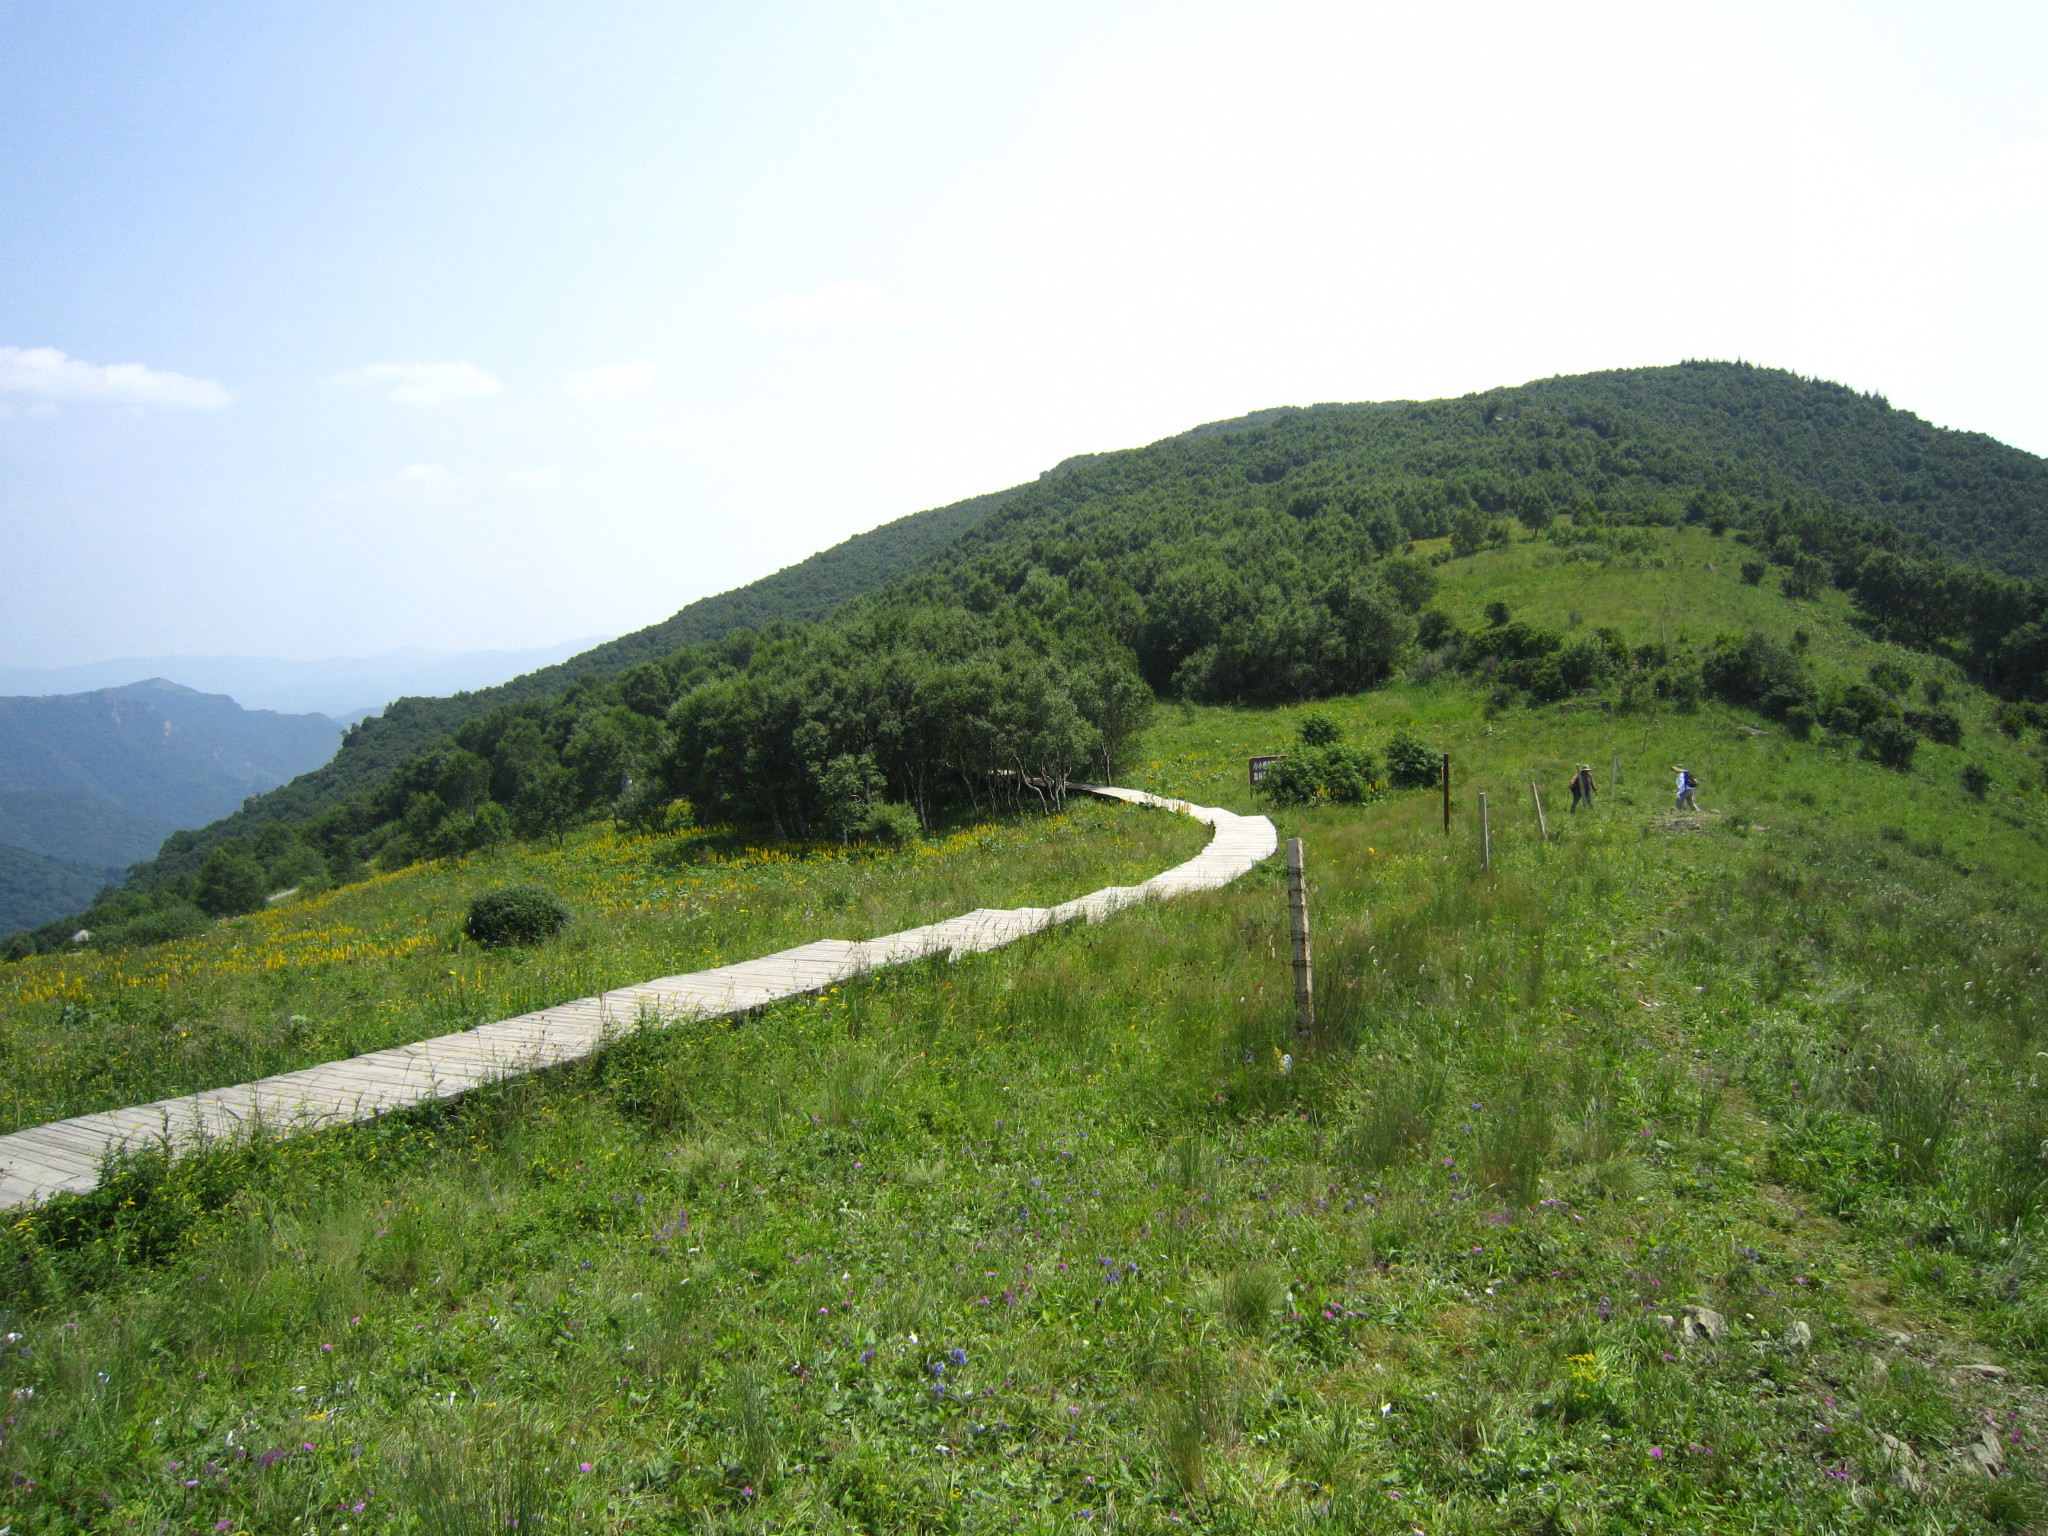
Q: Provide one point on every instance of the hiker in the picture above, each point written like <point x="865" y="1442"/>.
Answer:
<point x="1582" y="788"/>
<point x="1686" y="785"/>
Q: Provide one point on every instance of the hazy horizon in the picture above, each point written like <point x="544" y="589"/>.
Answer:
<point x="343" y="688"/>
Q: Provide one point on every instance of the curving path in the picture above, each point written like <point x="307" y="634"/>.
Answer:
<point x="65" y="1156"/>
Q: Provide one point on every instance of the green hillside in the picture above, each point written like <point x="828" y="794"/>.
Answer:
<point x="1262" y="560"/>
<point x="161" y="752"/>
<point x="1679" y="1172"/>
<point x="82" y="829"/>
<point x="34" y="888"/>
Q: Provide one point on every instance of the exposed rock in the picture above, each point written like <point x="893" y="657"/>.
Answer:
<point x="1901" y="1463"/>
<point x="1897" y="1340"/>
<point x="1982" y="1372"/>
<point x="1985" y="1454"/>
<point x="1797" y="1335"/>
<point x="1702" y="1323"/>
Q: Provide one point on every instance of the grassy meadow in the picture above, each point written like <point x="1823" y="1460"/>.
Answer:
<point x="384" y="962"/>
<point x="1074" y="1236"/>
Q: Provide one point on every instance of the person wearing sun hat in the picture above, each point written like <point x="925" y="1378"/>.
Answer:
<point x="1686" y="785"/>
<point x="1582" y="787"/>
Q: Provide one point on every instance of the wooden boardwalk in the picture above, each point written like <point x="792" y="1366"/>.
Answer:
<point x="66" y="1156"/>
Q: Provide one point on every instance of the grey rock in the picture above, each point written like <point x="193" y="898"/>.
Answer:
<point x="1901" y="1463"/>
<point x="1897" y="1340"/>
<point x="1982" y="1372"/>
<point x="1702" y="1323"/>
<point x="1797" y="1335"/>
<point x="1985" y="1454"/>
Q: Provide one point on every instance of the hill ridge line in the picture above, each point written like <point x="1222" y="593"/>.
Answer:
<point x="66" y="1156"/>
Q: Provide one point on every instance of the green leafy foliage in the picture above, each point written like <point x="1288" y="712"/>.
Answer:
<point x="231" y="882"/>
<point x="1411" y="764"/>
<point x="515" y="914"/>
<point x="1323" y="769"/>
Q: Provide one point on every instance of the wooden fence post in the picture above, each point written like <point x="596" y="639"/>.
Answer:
<point x="1297" y="922"/>
<point x="1485" y="835"/>
<point x="1542" y="826"/>
<point x="1614" y="778"/>
<point x="1447" y="794"/>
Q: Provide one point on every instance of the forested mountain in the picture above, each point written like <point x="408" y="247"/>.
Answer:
<point x="159" y="751"/>
<point x="92" y="782"/>
<point x="34" y="888"/>
<point x="78" y="828"/>
<point x="1267" y="558"/>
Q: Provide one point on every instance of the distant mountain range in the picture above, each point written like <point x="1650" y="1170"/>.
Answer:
<point x="93" y="782"/>
<point x="346" y="688"/>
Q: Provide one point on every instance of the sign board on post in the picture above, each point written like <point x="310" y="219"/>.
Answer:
<point x="1261" y="764"/>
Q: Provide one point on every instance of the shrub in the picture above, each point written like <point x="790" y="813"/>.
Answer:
<point x="1754" y="670"/>
<point x="1680" y="685"/>
<point x="1318" y="730"/>
<point x="179" y="921"/>
<point x="1332" y="775"/>
<point x="643" y="805"/>
<point x="1805" y="579"/>
<point x="515" y="914"/>
<point x="1410" y="764"/>
<point x="1975" y="779"/>
<point x="230" y="882"/>
<point x="1752" y="572"/>
<point x="1891" y="741"/>
<point x="1859" y="707"/>
<point x="1436" y="628"/>
<point x="1942" y="725"/>
<point x="2011" y="720"/>
<point x="1497" y="614"/>
<point x="888" y="822"/>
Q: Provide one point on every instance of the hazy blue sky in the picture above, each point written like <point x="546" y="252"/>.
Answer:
<point x="326" y="329"/>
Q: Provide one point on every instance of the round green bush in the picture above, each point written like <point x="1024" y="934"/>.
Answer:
<point x="515" y="914"/>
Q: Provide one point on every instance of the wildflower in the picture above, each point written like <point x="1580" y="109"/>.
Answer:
<point x="581" y="1467"/>
<point x="1657" y="1451"/>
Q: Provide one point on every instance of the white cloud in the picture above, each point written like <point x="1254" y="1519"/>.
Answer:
<point x="46" y="372"/>
<point x="428" y="477"/>
<point x="613" y="383"/>
<point x="422" y="383"/>
<point x="854" y="306"/>
<point x="534" y="481"/>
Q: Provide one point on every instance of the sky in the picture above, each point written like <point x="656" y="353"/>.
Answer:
<point x="329" y="329"/>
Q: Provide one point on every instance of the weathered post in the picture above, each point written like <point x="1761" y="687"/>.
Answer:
<point x="1447" y="794"/>
<point x="1485" y="836"/>
<point x="1297" y="922"/>
<point x="1542" y="826"/>
<point x="1614" y="777"/>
